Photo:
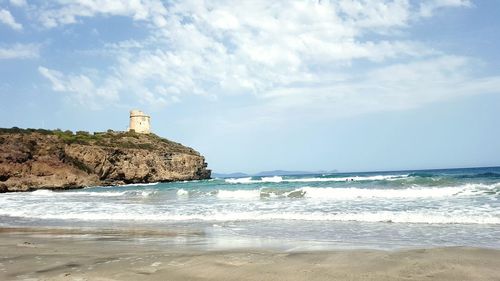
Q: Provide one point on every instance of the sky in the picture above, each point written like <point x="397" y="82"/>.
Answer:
<point x="347" y="85"/>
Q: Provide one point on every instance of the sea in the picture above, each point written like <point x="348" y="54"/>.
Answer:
<point x="375" y="210"/>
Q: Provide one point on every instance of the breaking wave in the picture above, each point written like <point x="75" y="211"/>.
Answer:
<point x="139" y="192"/>
<point x="420" y="197"/>
<point x="278" y="179"/>
<point x="335" y="193"/>
<point x="380" y="216"/>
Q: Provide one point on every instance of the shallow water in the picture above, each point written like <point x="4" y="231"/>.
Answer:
<point x="458" y="207"/>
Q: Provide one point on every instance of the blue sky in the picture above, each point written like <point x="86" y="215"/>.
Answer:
<point x="260" y="85"/>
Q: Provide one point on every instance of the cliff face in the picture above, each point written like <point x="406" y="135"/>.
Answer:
<point x="35" y="159"/>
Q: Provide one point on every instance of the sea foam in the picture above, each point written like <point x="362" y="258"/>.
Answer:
<point x="278" y="179"/>
<point x="447" y="201"/>
<point x="425" y="217"/>
<point x="182" y="192"/>
<point x="352" y="193"/>
<point x="238" y="194"/>
<point x="47" y="193"/>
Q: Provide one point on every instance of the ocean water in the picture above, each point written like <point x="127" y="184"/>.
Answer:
<point x="386" y="210"/>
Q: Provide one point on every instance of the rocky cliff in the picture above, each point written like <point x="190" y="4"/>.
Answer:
<point x="34" y="159"/>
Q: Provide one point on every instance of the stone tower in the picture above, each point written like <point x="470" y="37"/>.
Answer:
<point x="139" y="122"/>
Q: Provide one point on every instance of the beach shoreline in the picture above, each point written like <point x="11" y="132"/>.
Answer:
<point x="59" y="254"/>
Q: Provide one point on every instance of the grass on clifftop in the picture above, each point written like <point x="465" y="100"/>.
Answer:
<point x="109" y="138"/>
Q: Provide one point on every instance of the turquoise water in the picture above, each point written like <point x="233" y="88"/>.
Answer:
<point x="453" y="207"/>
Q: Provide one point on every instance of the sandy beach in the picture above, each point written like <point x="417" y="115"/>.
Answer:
<point x="51" y="254"/>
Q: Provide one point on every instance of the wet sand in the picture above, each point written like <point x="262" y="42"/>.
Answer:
<point x="90" y="255"/>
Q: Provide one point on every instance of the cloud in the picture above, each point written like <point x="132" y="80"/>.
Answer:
<point x="376" y="14"/>
<point x="427" y="8"/>
<point x="398" y="86"/>
<point x="19" y="3"/>
<point x="209" y="48"/>
<point x="322" y="58"/>
<point x="64" y="12"/>
<point x="19" y="51"/>
<point x="83" y="88"/>
<point x="7" y="19"/>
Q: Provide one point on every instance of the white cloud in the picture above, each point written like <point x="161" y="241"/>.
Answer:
<point x="63" y="12"/>
<point x="216" y="48"/>
<point x="19" y="51"/>
<point x="19" y="3"/>
<point x="427" y="8"/>
<point x="7" y="19"/>
<point x="287" y="54"/>
<point x="398" y="86"/>
<point x="376" y="14"/>
<point x="83" y="88"/>
<point x="54" y="77"/>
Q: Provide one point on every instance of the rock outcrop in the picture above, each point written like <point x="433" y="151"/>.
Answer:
<point x="41" y="159"/>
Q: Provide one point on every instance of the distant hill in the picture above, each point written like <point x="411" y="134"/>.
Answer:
<point x="230" y="175"/>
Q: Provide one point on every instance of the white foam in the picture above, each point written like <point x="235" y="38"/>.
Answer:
<point x="43" y="192"/>
<point x="334" y="193"/>
<point x="239" y="194"/>
<point x="272" y="179"/>
<point x="143" y="193"/>
<point x="347" y="179"/>
<point x="182" y="192"/>
<point x="426" y="217"/>
<point x="319" y="193"/>
<point x="147" y="193"/>
<point x="360" y="193"/>
<point x="396" y="217"/>
<point x="96" y="194"/>
<point x="454" y="204"/>
<point x="240" y="180"/>
<point x="278" y="179"/>
<point x="141" y="184"/>
<point x="470" y="189"/>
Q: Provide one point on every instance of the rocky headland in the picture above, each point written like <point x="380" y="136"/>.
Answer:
<point x="33" y="159"/>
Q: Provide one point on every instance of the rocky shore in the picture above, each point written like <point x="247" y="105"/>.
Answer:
<point x="33" y="159"/>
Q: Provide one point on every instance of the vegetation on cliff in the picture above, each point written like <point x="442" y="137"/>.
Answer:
<point x="56" y="159"/>
<point x="109" y="138"/>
